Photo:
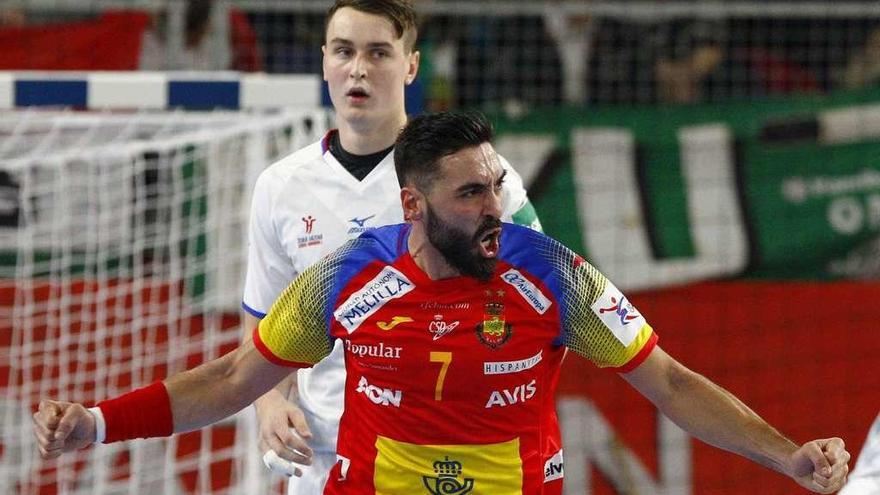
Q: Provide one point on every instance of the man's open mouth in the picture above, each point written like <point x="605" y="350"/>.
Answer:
<point x="489" y="242"/>
<point x="357" y="93"/>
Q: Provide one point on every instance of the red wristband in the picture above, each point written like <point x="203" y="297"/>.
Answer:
<point x="143" y="413"/>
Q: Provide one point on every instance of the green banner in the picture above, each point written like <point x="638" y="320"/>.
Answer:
<point x="783" y="188"/>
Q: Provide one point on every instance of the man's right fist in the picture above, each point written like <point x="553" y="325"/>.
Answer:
<point x="62" y="427"/>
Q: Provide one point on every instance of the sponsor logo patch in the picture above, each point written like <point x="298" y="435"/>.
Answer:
<point x="438" y="327"/>
<point x="448" y="479"/>
<point x="506" y="367"/>
<point x="360" y="225"/>
<point x="378" y="395"/>
<point x="413" y="469"/>
<point x="434" y="305"/>
<point x="344" y="464"/>
<point x="373" y="350"/>
<point x="397" y="320"/>
<point x="387" y="285"/>
<point x="527" y="290"/>
<point x="554" y="468"/>
<point x="618" y="314"/>
<point x="310" y="223"/>
<point x="309" y="239"/>
<point x="508" y="397"/>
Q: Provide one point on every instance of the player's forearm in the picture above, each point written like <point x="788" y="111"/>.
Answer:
<point x="219" y="388"/>
<point x="717" y="417"/>
<point x="286" y="390"/>
<point x="248" y="323"/>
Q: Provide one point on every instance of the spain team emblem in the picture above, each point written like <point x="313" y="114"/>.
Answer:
<point x="494" y="331"/>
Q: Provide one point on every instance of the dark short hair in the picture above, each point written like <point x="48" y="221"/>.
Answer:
<point x="400" y="12"/>
<point x="429" y="137"/>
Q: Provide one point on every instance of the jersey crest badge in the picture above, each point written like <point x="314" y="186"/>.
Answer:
<point x="494" y="331"/>
<point x="448" y="480"/>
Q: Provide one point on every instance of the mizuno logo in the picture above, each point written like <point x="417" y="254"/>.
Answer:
<point x="361" y="221"/>
<point x="397" y="320"/>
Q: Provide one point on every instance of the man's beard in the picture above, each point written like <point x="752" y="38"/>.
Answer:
<point x="459" y="249"/>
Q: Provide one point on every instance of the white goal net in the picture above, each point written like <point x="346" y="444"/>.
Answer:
<point x="121" y="261"/>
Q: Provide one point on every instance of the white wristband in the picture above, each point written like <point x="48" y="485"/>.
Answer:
<point x="100" y="424"/>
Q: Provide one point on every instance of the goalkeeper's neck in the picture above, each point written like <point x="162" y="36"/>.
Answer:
<point x="365" y="135"/>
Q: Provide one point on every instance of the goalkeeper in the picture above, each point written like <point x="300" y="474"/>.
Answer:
<point x="470" y="408"/>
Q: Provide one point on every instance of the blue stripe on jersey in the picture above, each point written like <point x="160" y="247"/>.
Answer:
<point x="522" y="248"/>
<point x="252" y="311"/>
<point x="384" y="244"/>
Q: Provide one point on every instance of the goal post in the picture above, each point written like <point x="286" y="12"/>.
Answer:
<point x="122" y="258"/>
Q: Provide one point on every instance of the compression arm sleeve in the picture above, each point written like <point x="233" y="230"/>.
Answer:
<point x="295" y="332"/>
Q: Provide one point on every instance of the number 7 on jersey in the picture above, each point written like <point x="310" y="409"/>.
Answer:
<point x="445" y="358"/>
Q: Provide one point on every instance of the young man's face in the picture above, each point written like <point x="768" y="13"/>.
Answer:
<point x="366" y="66"/>
<point x="463" y="210"/>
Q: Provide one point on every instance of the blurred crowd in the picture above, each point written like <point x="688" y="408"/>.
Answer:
<point x="512" y="61"/>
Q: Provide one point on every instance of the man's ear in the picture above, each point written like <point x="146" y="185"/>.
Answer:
<point x="413" y="70"/>
<point x="411" y="201"/>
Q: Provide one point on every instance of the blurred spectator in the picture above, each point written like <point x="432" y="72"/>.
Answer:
<point x="506" y="61"/>
<point x="510" y="62"/>
<point x="437" y="67"/>
<point x="863" y="68"/>
<point x="573" y="34"/>
<point x="775" y="56"/>
<point x="680" y="76"/>
<point x="198" y="51"/>
<point x="648" y="61"/>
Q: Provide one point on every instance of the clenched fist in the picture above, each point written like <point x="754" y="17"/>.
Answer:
<point x="62" y="427"/>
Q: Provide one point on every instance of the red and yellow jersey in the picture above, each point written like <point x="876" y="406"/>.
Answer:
<point x="451" y="383"/>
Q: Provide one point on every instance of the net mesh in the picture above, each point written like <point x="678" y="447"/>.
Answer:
<point x="122" y="261"/>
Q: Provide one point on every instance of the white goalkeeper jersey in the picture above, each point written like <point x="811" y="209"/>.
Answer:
<point x="307" y="205"/>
